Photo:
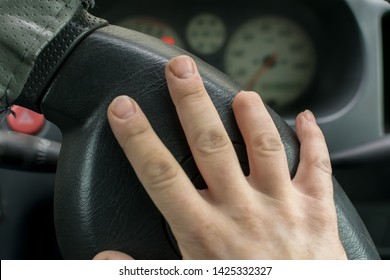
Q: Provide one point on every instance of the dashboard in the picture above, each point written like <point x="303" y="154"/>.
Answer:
<point x="296" y="54"/>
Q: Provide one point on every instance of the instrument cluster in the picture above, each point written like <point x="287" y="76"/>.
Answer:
<point x="286" y="50"/>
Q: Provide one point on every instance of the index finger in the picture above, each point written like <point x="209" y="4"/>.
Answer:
<point x="159" y="172"/>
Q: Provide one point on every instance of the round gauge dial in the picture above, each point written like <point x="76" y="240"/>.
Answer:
<point x="152" y="27"/>
<point x="206" y="33"/>
<point x="272" y="56"/>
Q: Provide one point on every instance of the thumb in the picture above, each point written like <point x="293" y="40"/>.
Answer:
<point x="112" y="255"/>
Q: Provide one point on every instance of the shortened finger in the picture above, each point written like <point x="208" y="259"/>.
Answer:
<point x="314" y="174"/>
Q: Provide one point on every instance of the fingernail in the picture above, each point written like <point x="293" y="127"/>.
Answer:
<point x="123" y="107"/>
<point x="182" y="67"/>
<point x="309" y="116"/>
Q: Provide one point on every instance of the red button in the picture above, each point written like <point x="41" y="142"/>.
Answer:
<point x="26" y="121"/>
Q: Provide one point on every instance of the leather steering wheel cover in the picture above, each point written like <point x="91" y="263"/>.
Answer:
<point x="99" y="202"/>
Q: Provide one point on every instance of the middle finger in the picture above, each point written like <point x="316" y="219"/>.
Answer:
<point x="209" y="142"/>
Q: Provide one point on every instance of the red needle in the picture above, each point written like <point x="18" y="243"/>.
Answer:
<point x="267" y="63"/>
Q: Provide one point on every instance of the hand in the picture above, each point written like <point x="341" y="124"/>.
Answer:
<point x="263" y="216"/>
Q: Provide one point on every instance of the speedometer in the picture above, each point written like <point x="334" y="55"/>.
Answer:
<point x="273" y="56"/>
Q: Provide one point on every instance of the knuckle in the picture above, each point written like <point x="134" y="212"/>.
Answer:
<point x="246" y="213"/>
<point x="266" y="143"/>
<point x="293" y="216"/>
<point x="322" y="216"/>
<point x="322" y="163"/>
<point x="211" y="140"/>
<point x="160" y="173"/>
<point x="326" y="221"/>
<point x="205" y="233"/>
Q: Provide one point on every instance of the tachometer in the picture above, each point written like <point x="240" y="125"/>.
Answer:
<point x="152" y="27"/>
<point x="273" y="56"/>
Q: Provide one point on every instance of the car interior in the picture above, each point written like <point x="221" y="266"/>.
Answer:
<point x="332" y="57"/>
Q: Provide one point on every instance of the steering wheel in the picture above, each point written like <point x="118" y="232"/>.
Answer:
<point x="99" y="202"/>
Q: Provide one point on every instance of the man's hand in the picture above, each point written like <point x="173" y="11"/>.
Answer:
<point x="263" y="216"/>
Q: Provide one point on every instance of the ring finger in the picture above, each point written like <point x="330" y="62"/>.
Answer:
<point x="266" y="154"/>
